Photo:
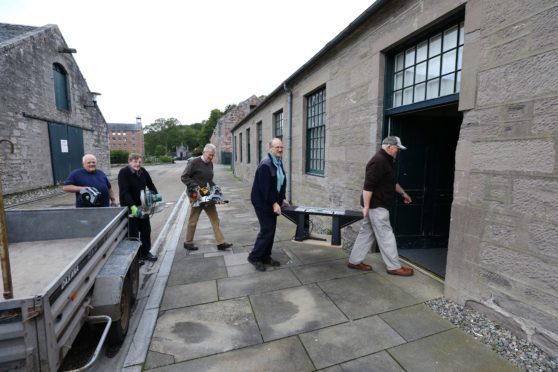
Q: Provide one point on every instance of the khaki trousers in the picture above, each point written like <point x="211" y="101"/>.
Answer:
<point x="211" y="212"/>
<point x="376" y="228"/>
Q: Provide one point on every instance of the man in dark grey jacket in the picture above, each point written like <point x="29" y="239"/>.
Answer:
<point x="268" y="196"/>
<point x="199" y="173"/>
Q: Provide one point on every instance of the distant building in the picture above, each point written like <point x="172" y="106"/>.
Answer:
<point x="181" y="152"/>
<point x="128" y="137"/>
<point x="46" y="110"/>
<point x="222" y="137"/>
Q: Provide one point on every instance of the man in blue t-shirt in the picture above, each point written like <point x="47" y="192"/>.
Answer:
<point x="90" y="176"/>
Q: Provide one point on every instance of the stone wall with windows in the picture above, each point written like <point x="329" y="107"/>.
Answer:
<point x="503" y="256"/>
<point x="27" y="104"/>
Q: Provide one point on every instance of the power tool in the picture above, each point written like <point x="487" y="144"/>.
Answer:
<point x="90" y="196"/>
<point x="207" y="195"/>
<point x="149" y="202"/>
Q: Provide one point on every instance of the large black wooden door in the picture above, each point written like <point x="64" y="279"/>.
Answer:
<point x="66" y="150"/>
<point x="425" y="170"/>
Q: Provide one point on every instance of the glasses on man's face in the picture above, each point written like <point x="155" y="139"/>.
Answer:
<point x="277" y="147"/>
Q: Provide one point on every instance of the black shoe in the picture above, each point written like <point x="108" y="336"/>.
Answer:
<point x="271" y="262"/>
<point x="224" y="246"/>
<point x="149" y="257"/>
<point x="190" y="247"/>
<point x="259" y="265"/>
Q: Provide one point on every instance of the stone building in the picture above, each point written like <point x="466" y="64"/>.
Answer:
<point x="471" y="87"/>
<point x="221" y="137"/>
<point x="46" y="109"/>
<point x="127" y="137"/>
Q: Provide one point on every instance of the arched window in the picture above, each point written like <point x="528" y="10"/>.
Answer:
<point x="61" y="92"/>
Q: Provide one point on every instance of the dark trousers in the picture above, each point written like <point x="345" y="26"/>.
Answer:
<point x="264" y="241"/>
<point x="140" y="227"/>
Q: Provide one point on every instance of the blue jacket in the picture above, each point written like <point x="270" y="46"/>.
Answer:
<point x="264" y="188"/>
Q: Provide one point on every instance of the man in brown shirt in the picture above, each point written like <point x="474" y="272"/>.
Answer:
<point x="378" y="194"/>
<point x="199" y="172"/>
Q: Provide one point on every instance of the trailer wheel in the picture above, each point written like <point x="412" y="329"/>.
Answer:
<point x="119" y="328"/>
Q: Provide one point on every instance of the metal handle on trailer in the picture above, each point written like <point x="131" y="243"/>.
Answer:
<point x="96" y="319"/>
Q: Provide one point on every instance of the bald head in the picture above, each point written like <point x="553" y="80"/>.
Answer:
<point x="89" y="163"/>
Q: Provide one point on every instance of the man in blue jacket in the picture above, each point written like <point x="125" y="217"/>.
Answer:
<point x="268" y="196"/>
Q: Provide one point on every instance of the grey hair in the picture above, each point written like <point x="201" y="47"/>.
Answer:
<point x="87" y="156"/>
<point x="209" y="147"/>
<point x="271" y="142"/>
<point x="385" y="146"/>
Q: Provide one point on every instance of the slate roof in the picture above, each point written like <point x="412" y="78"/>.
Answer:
<point x="9" y="31"/>
<point x="117" y="126"/>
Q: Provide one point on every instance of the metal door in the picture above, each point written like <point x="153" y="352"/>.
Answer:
<point x="426" y="172"/>
<point x="66" y="150"/>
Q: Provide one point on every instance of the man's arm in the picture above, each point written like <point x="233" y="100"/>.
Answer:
<point x="367" y="198"/>
<point x="406" y="197"/>
<point x="186" y="177"/>
<point x="72" y="188"/>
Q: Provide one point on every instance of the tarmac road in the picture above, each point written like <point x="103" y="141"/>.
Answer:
<point x="166" y="178"/>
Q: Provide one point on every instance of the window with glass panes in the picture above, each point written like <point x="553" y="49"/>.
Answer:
<point x="259" y="133"/>
<point x="240" y="147"/>
<point x="429" y="69"/>
<point x="235" y="150"/>
<point x="315" y="132"/>
<point x="278" y="125"/>
<point x="248" y="157"/>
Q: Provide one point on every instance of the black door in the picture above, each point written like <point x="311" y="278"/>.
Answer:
<point x="66" y="150"/>
<point x="426" y="170"/>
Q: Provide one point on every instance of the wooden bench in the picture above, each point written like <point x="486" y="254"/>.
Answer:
<point x="300" y="215"/>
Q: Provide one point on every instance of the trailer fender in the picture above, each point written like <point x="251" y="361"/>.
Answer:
<point x="109" y="283"/>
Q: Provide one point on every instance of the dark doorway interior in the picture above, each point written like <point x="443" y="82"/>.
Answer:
<point x="426" y="170"/>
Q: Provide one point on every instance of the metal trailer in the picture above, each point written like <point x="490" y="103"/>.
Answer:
<point x="69" y="267"/>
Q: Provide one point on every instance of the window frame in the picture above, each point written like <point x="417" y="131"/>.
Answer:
<point x="278" y="124"/>
<point x="248" y="146"/>
<point x="315" y="123"/>
<point x="430" y="58"/>
<point x="61" y="87"/>
<point x="260" y="139"/>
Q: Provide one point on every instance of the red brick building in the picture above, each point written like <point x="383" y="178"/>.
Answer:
<point x="128" y="137"/>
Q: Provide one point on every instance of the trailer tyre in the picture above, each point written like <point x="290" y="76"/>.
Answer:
<point x="119" y="328"/>
<point x="134" y="275"/>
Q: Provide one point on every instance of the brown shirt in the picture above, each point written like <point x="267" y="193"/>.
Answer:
<point x="380" y="179"/>
<point x="197" y="173"/>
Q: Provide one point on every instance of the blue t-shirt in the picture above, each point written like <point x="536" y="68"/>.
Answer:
<point x="97" y="179"/>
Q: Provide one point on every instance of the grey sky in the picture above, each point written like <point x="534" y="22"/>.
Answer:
<point x="172" y="58"/>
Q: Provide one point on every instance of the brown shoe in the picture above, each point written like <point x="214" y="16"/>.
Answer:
<point x="402" y="271"/>
<point x="361" y="266"/>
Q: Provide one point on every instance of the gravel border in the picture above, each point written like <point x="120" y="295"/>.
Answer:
<point x="520" y="352"/>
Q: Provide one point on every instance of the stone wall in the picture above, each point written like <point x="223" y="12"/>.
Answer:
<point x="26" y="86"/>
<point x="503" y="257"/>
<point x="222" y="137"/>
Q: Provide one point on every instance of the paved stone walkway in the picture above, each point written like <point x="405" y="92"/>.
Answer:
<point x="219" y="314"/>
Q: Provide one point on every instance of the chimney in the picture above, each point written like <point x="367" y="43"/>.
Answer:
<point x="138" y="120"/>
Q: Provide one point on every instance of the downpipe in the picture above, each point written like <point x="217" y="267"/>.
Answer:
<point x="290" y="118"/>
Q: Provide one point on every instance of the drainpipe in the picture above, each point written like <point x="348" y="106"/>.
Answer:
<point x="4" y="253"/>
<point x="290" y="118"/>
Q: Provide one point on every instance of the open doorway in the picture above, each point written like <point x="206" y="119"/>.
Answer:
<point x="426" y="171"/>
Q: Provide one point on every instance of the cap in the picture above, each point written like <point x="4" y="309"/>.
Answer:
<point x="393" y="140"/>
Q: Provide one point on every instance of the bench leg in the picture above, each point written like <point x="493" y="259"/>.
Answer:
<point x="335" y="230"/>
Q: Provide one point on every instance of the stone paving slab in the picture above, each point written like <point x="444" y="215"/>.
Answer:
<point x="324" y="271"/>
<point x="340" y="343"/>
<point x="416" y="322"/>
<point x="308" y="253"/>
<point x="189" y="294"/>
<point x="277" y="356"/>
<point x="379" y="362"/>
<point x="256" y="283"/>
<point x="364" y="295"/>
<point x="290" y="311"/>
<point x="197" y="269"/>
<point x="450" y="351"/>
<point x="202" y="330"/>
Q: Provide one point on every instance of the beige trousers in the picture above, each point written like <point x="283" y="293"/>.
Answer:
<point x="211" y="212"/>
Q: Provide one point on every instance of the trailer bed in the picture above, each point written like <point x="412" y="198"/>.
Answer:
<point x="36" y="264"/>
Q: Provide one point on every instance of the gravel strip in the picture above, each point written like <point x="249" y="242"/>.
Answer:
<point x="517" y="350"/>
